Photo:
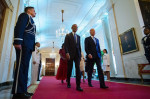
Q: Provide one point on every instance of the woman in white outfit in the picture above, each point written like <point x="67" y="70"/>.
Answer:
<point x="82" y="65"/>
<point x="35" y="64"/>
<point x="106" y="64"/>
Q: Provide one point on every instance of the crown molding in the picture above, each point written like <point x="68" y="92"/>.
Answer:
<point x="8" y="3"/>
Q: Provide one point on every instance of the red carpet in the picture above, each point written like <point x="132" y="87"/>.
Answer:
<point x="50" y="88"/>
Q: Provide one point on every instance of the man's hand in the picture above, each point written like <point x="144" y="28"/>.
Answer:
<point x="34" y="62"/>
<point x="90" y="56"/>
<point x="19" y="47"/>
<point x="68" y="56"/>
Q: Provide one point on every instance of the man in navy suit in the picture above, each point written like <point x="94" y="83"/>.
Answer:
<point x="93" y="52"/>
<point x="73" y="53"/>
<point x="24" y="42"/>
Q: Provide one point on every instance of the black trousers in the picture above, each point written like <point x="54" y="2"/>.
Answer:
<point x="148" y="57"/>
<point x="76" y="59"/>
<point x="39" y="69"/>
<point x="21" y="71"/>
<point x="91" y="63"/>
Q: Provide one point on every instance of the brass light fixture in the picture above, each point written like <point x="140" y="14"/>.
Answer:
<point x="62" y="31"/>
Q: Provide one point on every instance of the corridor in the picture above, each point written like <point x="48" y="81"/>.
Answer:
<point x="87" y="40"/>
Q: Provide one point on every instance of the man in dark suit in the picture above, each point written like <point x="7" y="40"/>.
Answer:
<point x="93" y="51"/>
<point x="24" y="42"/>
<point x="73" y="53"/>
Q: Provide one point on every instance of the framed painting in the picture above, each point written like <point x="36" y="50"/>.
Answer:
<point x="145" y="10"/>
<point x="128" y="41"/>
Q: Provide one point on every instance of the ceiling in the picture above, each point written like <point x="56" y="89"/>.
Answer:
<point x="48" y="18"/>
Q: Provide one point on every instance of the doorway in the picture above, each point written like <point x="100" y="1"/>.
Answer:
<point x="50" y="67"/>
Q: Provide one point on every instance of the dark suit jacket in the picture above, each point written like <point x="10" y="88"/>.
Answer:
<point x="71" y="46"/>
<point x="92" y="48"/>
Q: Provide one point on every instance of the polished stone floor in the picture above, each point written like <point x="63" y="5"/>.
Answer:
<point x="5" y="93"/>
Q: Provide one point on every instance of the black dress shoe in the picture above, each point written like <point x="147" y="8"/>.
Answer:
<point x="68" y="85"/>
<point x="21" y="96"/>
<point x="104" y="87"/>
<point x="90" y="85"/>
<point x="31" y="94"/>
<point x="79" y="89"/>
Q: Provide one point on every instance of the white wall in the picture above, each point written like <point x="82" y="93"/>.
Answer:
<point x="7" y="56"/>
<point x="108" y="44"/>
<point x="127" y="17"/>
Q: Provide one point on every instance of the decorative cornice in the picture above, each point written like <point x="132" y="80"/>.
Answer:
<point x="9" y="4"/>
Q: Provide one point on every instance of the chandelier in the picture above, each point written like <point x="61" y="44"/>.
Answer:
<point x="62" y="31"/>
<point x="53" y="54"/>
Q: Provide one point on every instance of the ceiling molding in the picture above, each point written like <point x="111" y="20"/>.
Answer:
<point x="82" y="12"/>
<point x="93" y="21"/>
<point x="9" y="4"/>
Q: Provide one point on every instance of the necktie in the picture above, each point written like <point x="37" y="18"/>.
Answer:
<point x="94" y="40"/>
<point x="75" y="37"/>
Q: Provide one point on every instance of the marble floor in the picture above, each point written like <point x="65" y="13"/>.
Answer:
<point x="5" y="93"/>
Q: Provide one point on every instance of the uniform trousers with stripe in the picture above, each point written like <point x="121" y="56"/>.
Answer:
<point x="21" y="71"/>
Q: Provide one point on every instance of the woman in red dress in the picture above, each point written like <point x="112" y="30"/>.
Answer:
<point x="62" y="70"/>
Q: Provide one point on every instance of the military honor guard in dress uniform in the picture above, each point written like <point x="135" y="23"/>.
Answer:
<point x="35" y="63"/>
<point x="39" y="68"/>
<point x="146" y="42"/>
<point x="24" y="43"/>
